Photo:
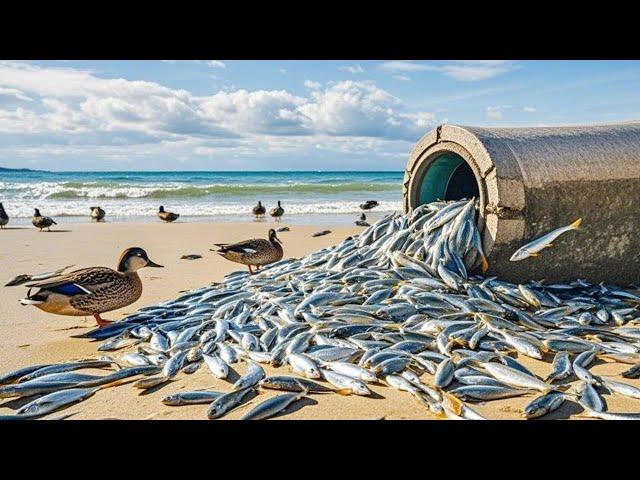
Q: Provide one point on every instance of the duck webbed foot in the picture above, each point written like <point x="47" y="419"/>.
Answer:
<point x="100" y="321"/>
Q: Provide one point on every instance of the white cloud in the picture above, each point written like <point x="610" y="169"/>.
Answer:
<point x="283" y="71"/>
<point x="63" y="109"/>
<point x="355" y="69"/>
<point x="402" y="78"/>
<point x="401" y="66"/>
<point x="463" y="70"/>
<point x="495" y="112"/>
<point x="361" y="109"/>
<point x="529" y="109"/>
<point x="216" y="64"/>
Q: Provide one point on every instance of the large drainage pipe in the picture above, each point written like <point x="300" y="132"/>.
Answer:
<point x="532" y="180"/>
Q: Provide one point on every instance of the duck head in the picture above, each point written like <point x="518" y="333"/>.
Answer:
<point x="133" y="259"/>
<point x="272" y="237"/>
<point x="36" y="213"/>
<point x="161" y="210"/>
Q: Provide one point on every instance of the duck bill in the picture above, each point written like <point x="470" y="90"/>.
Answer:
<point x="154" y="265"/>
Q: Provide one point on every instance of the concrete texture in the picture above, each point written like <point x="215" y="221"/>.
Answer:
<point x="532" y="180"/>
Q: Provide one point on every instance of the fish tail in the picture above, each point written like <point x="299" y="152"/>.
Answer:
<point x="575" y="225"/>
<point x="485" y="264"/>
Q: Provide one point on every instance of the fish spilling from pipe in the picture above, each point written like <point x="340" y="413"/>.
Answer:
<point x="403" y="305"/>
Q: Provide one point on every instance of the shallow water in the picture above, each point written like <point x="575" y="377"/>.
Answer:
<point x="308" y="197"/>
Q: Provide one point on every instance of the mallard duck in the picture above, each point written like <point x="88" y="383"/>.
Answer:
<point x="4" y="218"/>
<point x="368" y="205"/>
<point x="363" y="221"/>
<point x="277" y="212"/>
<point x="41" y="222"/>
<point x="255" y="252"/>
<point x="97" y="214"/>
<point x="259" y="209"/>
<point x="94" y="290"/>
<point x="167" y="216"/>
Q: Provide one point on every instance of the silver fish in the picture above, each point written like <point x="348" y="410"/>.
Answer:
<point x="532" y="249"/>
<point x="191" y="398"/>
<point x="227" y="402"/>
<point x="273" y="406"/>
<point x="254" y="374"/>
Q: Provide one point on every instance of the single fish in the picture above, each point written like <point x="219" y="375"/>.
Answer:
<point x="55" y="401"/>
<point x="516" y="378"/>
<point x="532" y="249"/>
<point x="218" y="367"/>
<point x="227" y="402"/>
<point x="293" y="384"/>
<point x="561" y="367"/>
<point x="254" y="374"/>
<point x="544" y="404"/>
<point x="273" y="406"/>
<point x="345" y="385"/>
<point x="191" y="398"/>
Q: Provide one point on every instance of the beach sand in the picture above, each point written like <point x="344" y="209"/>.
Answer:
<point x="29" y="336"/>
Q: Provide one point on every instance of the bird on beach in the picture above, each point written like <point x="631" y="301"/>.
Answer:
<point x="362" y="222"/>
<point x="277" y="212"/>
<point x="94" y="290"/>
<point x="259" y="209"/>
<point x="97" y="214"/>
<point x="41" y="222"/>
<point x="255" y="252"/>
<point x="167" y="216"/>
<point x="368" y="205"/>
<point x="4" y="218"/>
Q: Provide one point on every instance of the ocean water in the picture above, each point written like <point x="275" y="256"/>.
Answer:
<point x="307" y="197"/>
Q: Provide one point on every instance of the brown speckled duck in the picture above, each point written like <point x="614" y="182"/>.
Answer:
<point x="277" y="212"/>
<point x="97" y="214"/>
<point x="167" y="216"/>
<point x="4" y="218"/>
<point x="255" y="252"/>
<point x="259" y="210"/>
<point x="41" y="222"/>
<point x="92" y="291"/>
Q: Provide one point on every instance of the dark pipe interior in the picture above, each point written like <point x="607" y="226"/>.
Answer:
<point x="448" y="177"/>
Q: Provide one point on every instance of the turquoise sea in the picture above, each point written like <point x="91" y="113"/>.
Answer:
<point x="308" y="197"/>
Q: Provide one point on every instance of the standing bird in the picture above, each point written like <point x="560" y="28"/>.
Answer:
<point x="167" y="216"/>
<point x="4" y="218"/>
<point x="277" y="212"/>
<point x="259" y="210"/>
<point x="41" y="222"/>
<point x="368" y="205"/>
<point x="94" y="290"/>
<point x="97" y="214"/>
<point x="255" y="252"/>
<point x="363" y="221"/>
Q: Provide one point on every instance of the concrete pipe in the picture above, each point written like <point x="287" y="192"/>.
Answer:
<point x="532" y="180"/>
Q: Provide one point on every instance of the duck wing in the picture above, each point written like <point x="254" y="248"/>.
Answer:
<point x="83" y="281"/>
<point x="247" y="246"/>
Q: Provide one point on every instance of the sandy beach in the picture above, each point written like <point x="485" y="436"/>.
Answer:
<point x="29" y="336"/>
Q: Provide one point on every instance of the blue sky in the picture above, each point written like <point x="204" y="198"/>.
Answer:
<point x="280" y="115"/>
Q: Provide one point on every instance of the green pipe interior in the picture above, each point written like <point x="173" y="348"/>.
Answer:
<point x="449" y="177"/>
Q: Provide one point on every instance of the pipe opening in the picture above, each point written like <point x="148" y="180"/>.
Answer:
<point x="448" y="177"/>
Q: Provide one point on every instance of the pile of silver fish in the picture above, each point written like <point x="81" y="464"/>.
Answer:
<point x="395" y="305"/>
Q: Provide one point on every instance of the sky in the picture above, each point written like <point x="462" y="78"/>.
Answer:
<point x="284" y="115"/>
